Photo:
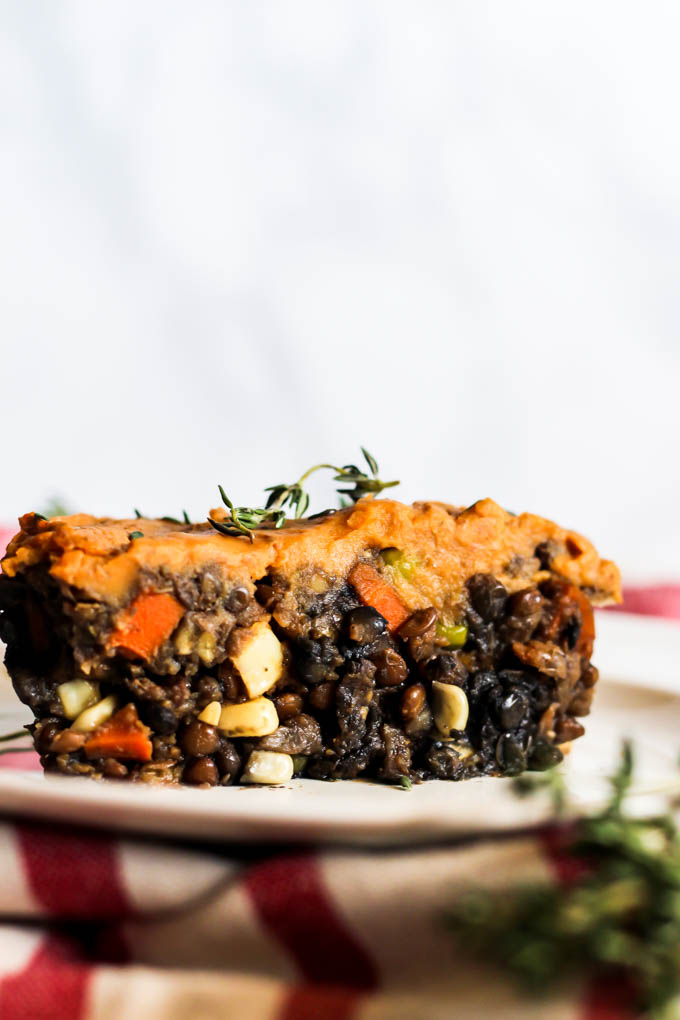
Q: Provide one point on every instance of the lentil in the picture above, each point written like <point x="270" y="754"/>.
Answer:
<point x="198" y="739"/>
<point x="200" y="771"/>
<point x="288" y="705"/>
<point x="525" y="609"/>
<point x="487" y="596"/>
<point x="513" y="709"/>
<point x="445" y="667"/>
<point x="228" y="759"/>
<point x="419" y="623"/>
<point x="544" y="756"/>
<point x="114" y="769"/>
<point x="321" y="696"/>
<point x="237" y="600"/>
<point x="568" y="729"/>
<point x="45" y="735"/>
<point x="161" y="718"/>
<point x="365" y="625"/>
<point x="67" y="741"/>
<point x="412" y="701"/>
<point x="391" y="669"/>
<point x="510" y="755"/>
<point x="580" y="704"/>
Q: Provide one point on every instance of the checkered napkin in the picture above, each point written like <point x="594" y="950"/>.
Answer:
<point x="94" y="927"/>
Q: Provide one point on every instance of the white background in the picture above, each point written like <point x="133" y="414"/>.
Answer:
<point x="237" y="238"/>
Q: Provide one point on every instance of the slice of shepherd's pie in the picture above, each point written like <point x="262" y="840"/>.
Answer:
<point x="381" y="640"/>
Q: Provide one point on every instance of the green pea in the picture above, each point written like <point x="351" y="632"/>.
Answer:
<point x="398" y="560"/>
<point x="407" y="569"/>
<point x="454" y="635"/>
<point x="299" y="763"/>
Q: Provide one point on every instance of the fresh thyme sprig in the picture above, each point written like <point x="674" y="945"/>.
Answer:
<point x="619" y="916"/>
<point x="243" y="520"/>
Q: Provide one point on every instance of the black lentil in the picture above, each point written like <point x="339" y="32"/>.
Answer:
<point x="487" y="596"/>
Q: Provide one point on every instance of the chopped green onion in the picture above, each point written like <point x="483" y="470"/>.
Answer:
<point x="398" y="560"/>
<point x="455" y="635"/>
<point x="390" y="557"/>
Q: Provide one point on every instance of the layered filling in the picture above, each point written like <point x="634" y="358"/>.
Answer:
<point x="208" y="679"/>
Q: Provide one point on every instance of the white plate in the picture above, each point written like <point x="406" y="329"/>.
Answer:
<point x="638" y="697"/>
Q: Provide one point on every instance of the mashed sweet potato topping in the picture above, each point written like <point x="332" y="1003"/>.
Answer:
<point x="444" y="546"/>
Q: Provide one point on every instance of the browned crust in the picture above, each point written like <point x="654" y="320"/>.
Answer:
<point x="96" y="557"/>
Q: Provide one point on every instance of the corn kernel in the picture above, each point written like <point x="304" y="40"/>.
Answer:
<point x="449" y="707"/>
<point x="76" y="696"/>
<point x="256" y="718"/>
<point x="211" y="713"/>
<point x="97" y="714"/>
<point x="268" y="768"/>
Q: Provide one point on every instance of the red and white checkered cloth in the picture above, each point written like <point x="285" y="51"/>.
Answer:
<point x="95" y="927"/>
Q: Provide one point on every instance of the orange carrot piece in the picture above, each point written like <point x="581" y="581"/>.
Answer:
<point x="123" y="736"/>
<point x="568" y="599"/>
<point x="586" y="638"/>
<point x="146" y="624"/>
<point x="373" y="590"/>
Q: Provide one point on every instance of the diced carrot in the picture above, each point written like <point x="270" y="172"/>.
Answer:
<point x="123" y="736"/>
<point x="586" y="637"/>
<point x="568" y="602"/>
<point x="145" y="625"/>
<point x="373" y="590"/>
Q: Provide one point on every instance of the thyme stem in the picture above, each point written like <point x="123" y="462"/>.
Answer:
<point x="13" y="736"/>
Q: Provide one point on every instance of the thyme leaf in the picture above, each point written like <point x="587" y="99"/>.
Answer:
<point x="243" y="520"/>
<point x="171" y="520"/>
<point x="175" y="520"/>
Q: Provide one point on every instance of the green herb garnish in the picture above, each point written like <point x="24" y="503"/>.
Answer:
<point x="13" y="736"/>
<point x="171" y="520"/>
<point x="174" y="520"/>
<point x="243" y="520"/>
<point x="135" y="534"/>
<point x="405" y="783"/>
<point x="55" y="508"/>
<point x="550" y="782"/>
<point x="619" y="916"/>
